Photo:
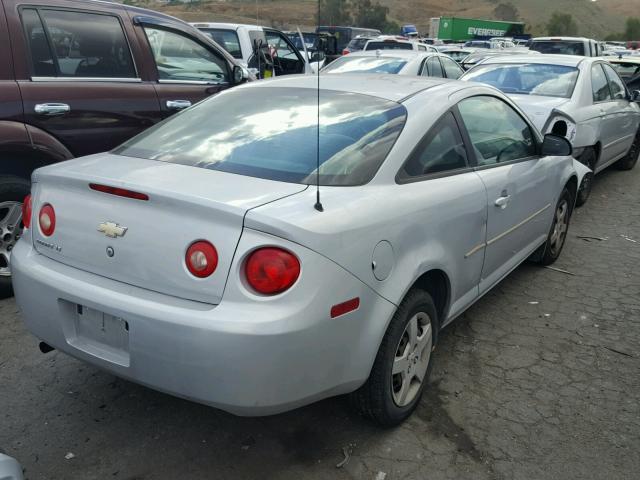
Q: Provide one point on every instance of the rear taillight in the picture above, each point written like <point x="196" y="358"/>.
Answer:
<point x="201" y="259"/>
<point x="47" y="220"/>
<point x="26" y="212"/>
<point x="271" y="270"/>
<point x="346" y="51"/>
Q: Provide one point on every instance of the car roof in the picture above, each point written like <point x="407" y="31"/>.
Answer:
<point x="565" y="60"/>
<point x="389" y="87"/>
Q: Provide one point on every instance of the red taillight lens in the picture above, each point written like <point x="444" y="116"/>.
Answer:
<point x="272" y="270"/>
<point x="120" y="192"/>
<point x="47" y="220"/>
<point x="346" y="52"/>
<point x="26" y="212"/>
<point x="201" y="259"/>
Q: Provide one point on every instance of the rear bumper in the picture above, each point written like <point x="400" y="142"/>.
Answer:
<point x="248" y="356"/>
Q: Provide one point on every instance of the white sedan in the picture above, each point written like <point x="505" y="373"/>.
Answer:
<point x="426" y="64"/>
<point x="581" y="98"/>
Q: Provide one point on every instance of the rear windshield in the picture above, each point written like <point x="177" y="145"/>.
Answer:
<point x="383" y="45"/>
<point x="272" y="133"/>
<point x="528" y="79"/>
<point x="626" y="70"/>
<point x="228" y="39"/>
<point x="351" y="64"/>
<point x="561" y="47"/>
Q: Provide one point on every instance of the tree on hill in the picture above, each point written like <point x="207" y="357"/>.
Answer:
<point x="562" y="25"/>
<point x="334" y="12"/>
<point x="373" y="15"/>
<point x="632" y="31"/>
<point x="506" y="11"/>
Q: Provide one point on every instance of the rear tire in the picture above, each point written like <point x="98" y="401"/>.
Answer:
<point x="559" y="228"/>
<point x="403" y="364"/>
<point x="12" y="193"/>
<point x="631" y="158"/>
<point x="589" y="159"/>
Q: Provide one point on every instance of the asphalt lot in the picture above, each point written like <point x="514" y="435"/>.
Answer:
<point x="540" y="379"/>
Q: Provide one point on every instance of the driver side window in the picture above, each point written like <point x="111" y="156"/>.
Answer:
<point x="498" y="133"/>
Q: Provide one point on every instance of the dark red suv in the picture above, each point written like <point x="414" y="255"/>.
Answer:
<point x="80" y="77"/>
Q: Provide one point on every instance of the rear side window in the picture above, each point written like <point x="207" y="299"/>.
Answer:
<point x="433" y="68"/>
<point x="179" y="58"/>
<point x="497" y="132"/>
<point x="599" y="84"/>
<point x="77" y="44"/>
<point x="618" y="89"/>
<point x="228" y="39"/>
<point x="272" y="133"/>
<point x="442" y="150"/>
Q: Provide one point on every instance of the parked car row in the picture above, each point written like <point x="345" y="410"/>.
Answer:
<point x="288" y="239"/>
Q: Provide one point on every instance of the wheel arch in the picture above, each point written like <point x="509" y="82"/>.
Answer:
<point x="436" y="283"/>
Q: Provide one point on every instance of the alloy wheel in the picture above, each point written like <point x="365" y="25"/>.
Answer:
<point x="560" y="227"/>
<point x="411" y="360"/>
<point x="10" y="231"/>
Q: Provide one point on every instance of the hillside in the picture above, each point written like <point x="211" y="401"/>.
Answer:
<point x="595" y="18"/>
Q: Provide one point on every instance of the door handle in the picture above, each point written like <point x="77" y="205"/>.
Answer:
<point x="178" y="104"/>
<point x="503" y="201"/>
<point x="52" y="108"/>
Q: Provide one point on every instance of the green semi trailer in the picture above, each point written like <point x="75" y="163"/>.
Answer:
<point x="458" y="29"/>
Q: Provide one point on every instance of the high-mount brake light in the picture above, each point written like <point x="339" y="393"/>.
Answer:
<point x="201" y="259"/>
<point x="271" y="270"/>
<point x="120" y="192"/>
<point x="47" y="220"/>
<point x="26" y="211"/>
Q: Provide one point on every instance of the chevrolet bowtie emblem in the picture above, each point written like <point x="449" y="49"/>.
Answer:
<point x="111" y="229"/>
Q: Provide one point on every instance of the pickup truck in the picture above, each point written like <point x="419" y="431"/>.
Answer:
<point x="80" y="77"/>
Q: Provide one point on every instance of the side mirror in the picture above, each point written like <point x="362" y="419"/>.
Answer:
<point x="238" y="74"/>
<point x="556" y="146"/>
<point x="317" y="56"/>
<point x="635" y="96"/>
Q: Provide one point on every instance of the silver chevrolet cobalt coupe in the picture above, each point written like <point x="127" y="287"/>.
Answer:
<point x="196" y="259"/>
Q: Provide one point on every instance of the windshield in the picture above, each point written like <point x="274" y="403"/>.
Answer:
<point x="385" y="45"/>
<point x="626" y="70"/>
<point x="310" y="40"/>
<point x="561" y="47"/>
<point x="351" y="64"/>
<point x="272" y="133"/>
<point x="228" y="39"/>
<point x="528" y="79"/>
<point x="357" y="43"/>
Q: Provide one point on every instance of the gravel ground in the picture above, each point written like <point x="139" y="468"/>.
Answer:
<point x="540" y="379"/>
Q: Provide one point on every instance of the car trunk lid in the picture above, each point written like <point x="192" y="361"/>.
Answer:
<point x="143" y="242"/>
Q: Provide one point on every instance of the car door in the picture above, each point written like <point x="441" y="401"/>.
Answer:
<point x="601" y="114"/>
<point x="10" y="100"/>
<point x="623" y="117"/>
<point x="187" y="69"/>
<point x="448" y="204"/>
<point x="287" y="59"/>
<point x="451" y="69"/>
<point x="78" y="78"/>
<point x="520" y="196"/>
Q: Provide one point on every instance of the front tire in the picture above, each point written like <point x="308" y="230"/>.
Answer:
<point x="629" y="161"/>
<point x="403" y="363"/>
<point x="589" y="159"/>
<point x="12" y="193"/>
<point x="559" y="228"/>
